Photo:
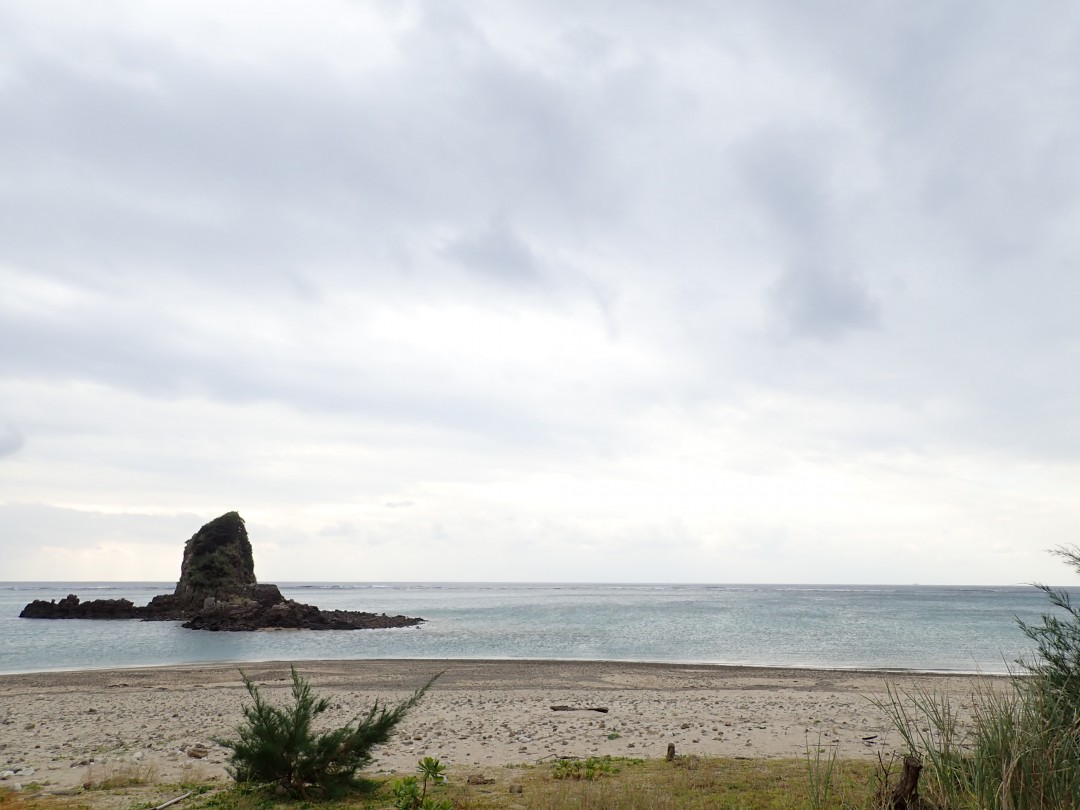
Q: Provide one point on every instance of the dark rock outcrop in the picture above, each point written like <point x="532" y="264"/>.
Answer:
<point x="217" y="590"/>
<point x="290" y="614"/>
<point x="71" y="608"/>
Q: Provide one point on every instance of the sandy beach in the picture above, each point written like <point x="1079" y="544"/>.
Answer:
<point x="62" y="729"/>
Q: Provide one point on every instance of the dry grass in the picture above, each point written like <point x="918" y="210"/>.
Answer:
<point x="114" y="776"/>
<point x="26" y="800"/>
<point x="694" y="783"/>
<point x="195" y="774"/>
<point x="121" y="787"/>
<point x="689" y="783"/>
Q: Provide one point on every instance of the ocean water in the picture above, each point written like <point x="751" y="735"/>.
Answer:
<point x="962" y="629"/>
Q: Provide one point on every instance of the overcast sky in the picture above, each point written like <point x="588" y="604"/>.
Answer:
<point x="749" y="291"/>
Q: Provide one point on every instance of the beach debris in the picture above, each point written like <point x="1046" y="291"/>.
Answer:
<point x="601" y="709"/>
<point x="905" y="796"/>
<point x="171" y="802"/>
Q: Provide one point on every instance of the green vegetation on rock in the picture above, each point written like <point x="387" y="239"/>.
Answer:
<point x="217" y="560"/>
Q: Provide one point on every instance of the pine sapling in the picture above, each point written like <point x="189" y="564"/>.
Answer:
<point x="279" y="746"/>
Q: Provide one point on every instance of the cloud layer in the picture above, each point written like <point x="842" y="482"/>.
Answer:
<point x="765" y="291"/>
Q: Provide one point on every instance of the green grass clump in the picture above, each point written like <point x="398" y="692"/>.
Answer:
<point x="1022" y="751"/>
<point x="591" y="768"/>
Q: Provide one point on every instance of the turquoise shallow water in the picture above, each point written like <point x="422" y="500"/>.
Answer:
<point x="877" y="627"/>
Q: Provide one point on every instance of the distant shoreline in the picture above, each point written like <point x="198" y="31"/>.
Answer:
<point x="322" y="662"/>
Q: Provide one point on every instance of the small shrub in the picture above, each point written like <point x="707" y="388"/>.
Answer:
<point x="410" y="794"/>
<point x="279" y="746"/>
<point x="1057" y="639"/>
<point x="591" y="768"/>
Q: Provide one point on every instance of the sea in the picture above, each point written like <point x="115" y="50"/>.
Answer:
<point x="917" y="628"/>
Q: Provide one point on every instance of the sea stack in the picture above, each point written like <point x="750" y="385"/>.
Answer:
<point x="217" y="590"/>
<point x="217" y="564"/>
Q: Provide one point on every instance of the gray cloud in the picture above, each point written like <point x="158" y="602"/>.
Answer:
<point x="11" y="440"/>
<point x="194" y="164"/>
<point x="519" y="246"/>
<point x="822" y="304"/>
<point x="797" y="179"/>
<point x="497" y="252"/>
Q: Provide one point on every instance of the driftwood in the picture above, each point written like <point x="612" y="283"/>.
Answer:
<point x="905" y="796"/>
<point x="173" y="801"/>
<point x="600" y="709"/>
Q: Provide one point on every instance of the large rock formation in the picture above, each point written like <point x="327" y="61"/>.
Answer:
<point x="217" y="590"/>
<point x="218" y="562"/>
<point x="218" y="569"/>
